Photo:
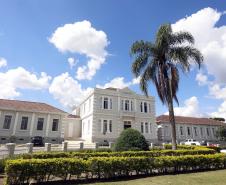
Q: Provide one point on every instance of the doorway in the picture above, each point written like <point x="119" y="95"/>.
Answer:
<point x="127" y="124"/>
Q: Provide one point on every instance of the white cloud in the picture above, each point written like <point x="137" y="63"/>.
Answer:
<point x="82" y="38"/>
<point x="72" y="62"/>
<point x="202" y="79"/>
<point x="67" y="90"/>
<point x="119" y="82"/>
<point x="218" y="92"/>
<point x="19" y="78"/>
<point x="3" y="62"/>
<point x="190" y="108"/>
<point x="210" y="39"/>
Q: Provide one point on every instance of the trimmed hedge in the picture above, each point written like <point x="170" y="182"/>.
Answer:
<point x="193" y="147"/>
<point x="29" y="170"/>
<point x="86" y="155"/>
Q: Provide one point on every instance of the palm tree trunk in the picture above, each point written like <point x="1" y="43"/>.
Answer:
<point x="173" y="125"/>
<point x="171" y="116"/>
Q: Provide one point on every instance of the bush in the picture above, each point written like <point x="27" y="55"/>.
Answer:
<point x="2" y="165"/>
<point x="131" y="139"/>
<point x="86" y="155"/>
<point x="26" y="170"/>
<point x="183" y="147"/>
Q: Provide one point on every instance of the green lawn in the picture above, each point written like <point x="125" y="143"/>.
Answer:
<point x="201" y="178"/>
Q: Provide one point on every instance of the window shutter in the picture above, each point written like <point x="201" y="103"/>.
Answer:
<point x="110" y="103"/>
<point x="101" y="102"/>
<point x="121" y="104"/>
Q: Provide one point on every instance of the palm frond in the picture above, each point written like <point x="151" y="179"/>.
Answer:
<point x="182" y="37"/>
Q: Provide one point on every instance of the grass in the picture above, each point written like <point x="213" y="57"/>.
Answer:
<point x="201" y="178"/>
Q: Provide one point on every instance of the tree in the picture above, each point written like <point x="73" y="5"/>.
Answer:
<point x="218" y="119"/>
<point x="160" y="62"/>
<point x="221" y="133"/>
<point x="131" y="139"/>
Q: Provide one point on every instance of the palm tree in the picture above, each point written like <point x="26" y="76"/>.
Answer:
<point x="160" y="62"/>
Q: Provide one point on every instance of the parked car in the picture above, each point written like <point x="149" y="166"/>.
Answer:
<point x="37" y="141"/>
<point x="204" y="143"/>
<point x="192" y="142"/>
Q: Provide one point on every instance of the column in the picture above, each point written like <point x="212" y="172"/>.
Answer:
<point x="32" y="124"/>
<point x="119" y="104"/>
<point x="135" y="105"/>
<point x="47" y="125"/>
<point x="15" y="123"/>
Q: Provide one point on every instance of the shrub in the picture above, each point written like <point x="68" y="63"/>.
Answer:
<point x="2" y="165"/>
<point x="183" y="147"/>
<point x="131" y="139"/>
<point x="21" y="171"/>
<point x="86" y="155"/>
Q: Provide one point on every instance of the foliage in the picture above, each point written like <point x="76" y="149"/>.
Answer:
<point x="221" y="133"/>
<point x="159" y="62"/>
<point x="2" y="165"/>
<point x="86" y="155"/>
<point x="21" y="171"/>
<point x="218" y="119"/>
<point x="131" y="139"/>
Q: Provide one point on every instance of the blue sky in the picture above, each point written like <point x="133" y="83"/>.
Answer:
<point x="36" y="43"/>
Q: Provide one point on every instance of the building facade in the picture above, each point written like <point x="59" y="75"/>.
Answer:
<point x="200" y="129"/>
<point x="105" y="113"/>
<point x="22" y="120"/>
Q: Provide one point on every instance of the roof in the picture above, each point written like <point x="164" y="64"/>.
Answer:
<point x="189" y="120"/>
<point x="72" y="116"/>
<point x="28" y="106"/>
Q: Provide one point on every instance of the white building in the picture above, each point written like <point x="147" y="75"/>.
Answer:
<point x="105" y="113"/>
<point x="188" y="128"/>
<point x="21" y="120"/>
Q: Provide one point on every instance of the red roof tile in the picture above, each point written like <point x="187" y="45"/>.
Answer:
<point x="28" y="106"/>
<point x="189" y="120"/>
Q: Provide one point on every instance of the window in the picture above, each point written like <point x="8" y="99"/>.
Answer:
<point x="146" y="127"/>
<point x="127" y="105"/>
<point x="105" y="126"/>
<point x="55" y="125"/>
<point x="24" y="122"/>
<point x="145" y="107"/>
<point x="7" y="122"/>
<point x="127" y="124"/>
<point x="195" y="130"/>
<point x="189" y="131"/>
<point x="110" y="125"/>
<point x="181" y="131"/>
<point x="40" y="123"/>
<point x="207" y="131"/>
<point x="201" y="131"/>
<point x="142" y="127"/>
<point x="105" y="103"/>
<point x="141" y="107"/>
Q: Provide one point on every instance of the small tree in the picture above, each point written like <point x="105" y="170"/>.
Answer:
<point x="131" y="139"/>
<point x="221" y="133"/>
